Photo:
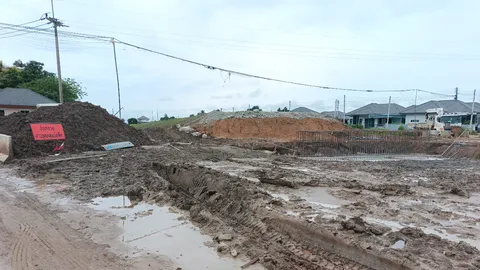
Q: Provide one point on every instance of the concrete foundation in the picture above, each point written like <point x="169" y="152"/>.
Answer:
<point x="6" y="148"/>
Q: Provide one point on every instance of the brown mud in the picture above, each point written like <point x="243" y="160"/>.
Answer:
<point x="282" y="129"/>
<point x="87" y="127"/>
<point x="382" y="203"/>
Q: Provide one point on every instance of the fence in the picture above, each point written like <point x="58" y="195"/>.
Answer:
<point x="353" y="142"/>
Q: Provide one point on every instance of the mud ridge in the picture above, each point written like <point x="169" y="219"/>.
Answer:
<point x="286" y="244"/>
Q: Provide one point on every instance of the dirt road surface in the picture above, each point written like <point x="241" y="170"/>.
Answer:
<point x="33" y="236"/>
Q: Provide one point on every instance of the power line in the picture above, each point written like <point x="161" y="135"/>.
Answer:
<point x="377" y="53"/>
<point x="262" y="77"/>
<point x="105" y="38"/>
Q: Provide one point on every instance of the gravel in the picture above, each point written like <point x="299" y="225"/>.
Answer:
<point x="216" y="115"/>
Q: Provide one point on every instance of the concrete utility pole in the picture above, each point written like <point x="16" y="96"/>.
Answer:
<point x="456" y="93"/>
<point x="56" y="24"/>
<point x="344" y="109"/>
<point x="118" y="80"/>
<point x="415" y="115"/>
<point x="289" y="105"/>
<point x="388" y="110"/>
<point x="473" y="109"/>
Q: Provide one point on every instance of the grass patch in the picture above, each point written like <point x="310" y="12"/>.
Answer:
<point x="164" y="123"/>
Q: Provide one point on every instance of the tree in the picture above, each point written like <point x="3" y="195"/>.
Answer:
<point x="10" y="77"/>
<point x="279" y="110"/>
<point x="132" y="121"/>
<point x="192" y="115"/>
<point x="48" y="87"/>
<point x="256" y="107"/>
<point x="32" y="75"/>
<point x="285" y="109"/>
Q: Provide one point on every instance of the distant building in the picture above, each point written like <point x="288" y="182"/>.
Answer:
<point x="459" y="111"/>
<point x="303" y="110"/>
<point x="375" y="115"/>
<point x="338" y="115"/>
<point x="20" y="100"/>
<point x="143" y="119"/>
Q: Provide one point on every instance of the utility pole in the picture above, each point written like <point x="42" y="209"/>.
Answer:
<point x="289" y="105"/>
<point x="56" y="23"/>
<point x="344" y="109"/>
<point x="118" y="80"/>
<point x="473" y="109"/>
<point x="415" y="115"/>
<point x="456" y="93"/>
<point x="388" y="111"/>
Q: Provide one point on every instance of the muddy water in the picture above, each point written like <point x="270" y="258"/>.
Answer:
<point x="158" y="230"/>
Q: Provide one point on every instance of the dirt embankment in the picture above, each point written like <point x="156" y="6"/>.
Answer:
<point x="278" y="129"/>
<point x="86" y="128"/>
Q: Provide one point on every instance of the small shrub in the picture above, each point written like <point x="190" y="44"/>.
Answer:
<point x="356" y="126"/>
<point x="132" y="121"/>
<point x="401" y="127"/>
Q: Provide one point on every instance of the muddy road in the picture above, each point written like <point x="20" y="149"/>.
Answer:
<point x="34" y="236"/>
<point x="283" y="212"/>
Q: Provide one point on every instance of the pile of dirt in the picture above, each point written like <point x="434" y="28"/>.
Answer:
<point x="281" y="129"/>
<point x="86" y="127"/>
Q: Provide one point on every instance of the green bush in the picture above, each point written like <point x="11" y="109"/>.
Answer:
<point x="356" y="126"/>
<point x="132" y="121"/>
<point x="401" y="127"/>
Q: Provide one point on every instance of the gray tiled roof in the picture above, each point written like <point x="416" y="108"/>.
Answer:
<point x="303" y="109"/>
<point x="332" y="114"/>
<point x="22" y="97"/>
<point x="449" y="106"/>
<point x="377" y="109"/>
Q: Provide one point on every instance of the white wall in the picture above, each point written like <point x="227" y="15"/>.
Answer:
<point x="419" y="116"/>
<point x="13" y="110"/>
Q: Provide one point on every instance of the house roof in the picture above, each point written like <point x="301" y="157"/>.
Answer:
<point x="477" y="105"/>
<point x="22" y="97"/>
<point x="303" y="109"/>
<point x="143" y="118"/>
<point x="375" y="109"/>
<point x="332" y="114"/>
<point x="449" y="106"/>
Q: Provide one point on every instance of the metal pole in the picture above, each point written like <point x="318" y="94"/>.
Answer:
<point x="388" y="111"/>
<point x="118" y="80"/>
<point x="473" y="109"/>
<point x="415" y="117"/>
<point x="344" y="109"/>
<point x="57" y="49"/>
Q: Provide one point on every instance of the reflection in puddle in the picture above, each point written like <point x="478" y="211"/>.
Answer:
<point x="152" y="228"/>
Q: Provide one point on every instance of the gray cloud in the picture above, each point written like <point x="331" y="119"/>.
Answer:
<point x="222" y="97"/>
<point x="255" y="93"/>
<point x="165" y="99"/>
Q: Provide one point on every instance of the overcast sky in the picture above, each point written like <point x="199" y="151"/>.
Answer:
<point x="370" y="44"/>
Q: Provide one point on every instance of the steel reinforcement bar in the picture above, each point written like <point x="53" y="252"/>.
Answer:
<point x="353" y="142"/>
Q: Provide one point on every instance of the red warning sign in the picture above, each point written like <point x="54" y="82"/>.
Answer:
<point x="47" y="132"/>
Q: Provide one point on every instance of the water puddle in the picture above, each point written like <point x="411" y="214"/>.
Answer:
<point x="320" y="196"/>
<point x="400" y="244"/>
<point x="161" y="230"/>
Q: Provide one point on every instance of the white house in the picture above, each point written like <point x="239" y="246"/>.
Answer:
<point x="20" y="100"/>
<point x="375" y="115"/>
<point x="461" y="111"/>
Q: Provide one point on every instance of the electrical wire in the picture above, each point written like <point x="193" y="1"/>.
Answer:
<point x="266" y="78"/>
<point x="243" y="74"/>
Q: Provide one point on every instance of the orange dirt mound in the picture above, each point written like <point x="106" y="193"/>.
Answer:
<point x="278" y="129"/>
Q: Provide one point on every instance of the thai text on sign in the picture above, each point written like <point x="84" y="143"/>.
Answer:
<point x="47" y="132"/>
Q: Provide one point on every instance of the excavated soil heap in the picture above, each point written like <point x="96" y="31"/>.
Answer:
<point x="86" y="127"/>
<point x="282" y="129"/>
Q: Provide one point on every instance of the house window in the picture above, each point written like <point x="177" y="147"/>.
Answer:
<point x="2" y="112"/>
<point x="414" y="121"/>
<point x="24" y="111"/>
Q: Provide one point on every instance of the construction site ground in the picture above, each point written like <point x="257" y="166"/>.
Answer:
<point x="205" y="204"/>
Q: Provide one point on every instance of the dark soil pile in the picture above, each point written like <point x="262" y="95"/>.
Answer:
<point x="86" y="127"/>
